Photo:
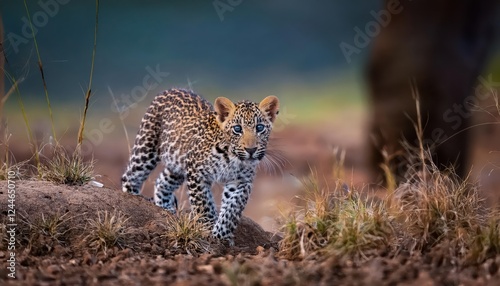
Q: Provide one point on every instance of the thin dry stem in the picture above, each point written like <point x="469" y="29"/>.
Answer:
<point x="89" y="90"/>
<point x="418" y="128"/>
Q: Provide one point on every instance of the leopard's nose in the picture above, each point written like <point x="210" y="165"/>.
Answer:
<point x="251" y="150"/>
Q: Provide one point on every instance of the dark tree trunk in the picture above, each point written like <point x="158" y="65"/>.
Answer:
<point x="443" y="46"/>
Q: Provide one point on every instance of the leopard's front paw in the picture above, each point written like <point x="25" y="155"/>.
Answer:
<point x="223" y="236"/>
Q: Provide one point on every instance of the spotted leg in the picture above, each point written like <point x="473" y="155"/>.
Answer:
<point x="143" y="159"/>
<point x="234" y="199"/>
<point x="201" y="199"/>
<point x="166" y="184"/>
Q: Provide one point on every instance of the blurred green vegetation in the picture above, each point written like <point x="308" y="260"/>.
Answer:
<point x="286" y="48"/>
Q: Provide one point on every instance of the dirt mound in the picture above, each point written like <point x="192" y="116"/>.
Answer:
<point x="35" y="199"/>
<point x="53" y="225"/>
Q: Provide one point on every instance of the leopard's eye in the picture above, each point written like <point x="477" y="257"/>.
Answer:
<point x="259" y="127"/>
<point x="237" y="129"/>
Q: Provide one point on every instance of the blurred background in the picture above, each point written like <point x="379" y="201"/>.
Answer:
<point x="309" y="54"/>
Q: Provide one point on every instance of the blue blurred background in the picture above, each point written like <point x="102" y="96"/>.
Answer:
<point x="255" y="45"/>
<point x="234" y="48"/>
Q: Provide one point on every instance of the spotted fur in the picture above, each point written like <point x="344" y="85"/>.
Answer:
<point x="201" y="144"/>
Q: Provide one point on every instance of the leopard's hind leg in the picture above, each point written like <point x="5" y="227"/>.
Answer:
<point x="144" y="157"/>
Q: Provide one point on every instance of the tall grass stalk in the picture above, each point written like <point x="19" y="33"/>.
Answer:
<point x="418" y="125"/>
<point x="89" y="89"/>
<point x="40" y="66"/>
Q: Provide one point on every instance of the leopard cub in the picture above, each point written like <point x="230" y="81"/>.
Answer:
<point x="201" y="144"/>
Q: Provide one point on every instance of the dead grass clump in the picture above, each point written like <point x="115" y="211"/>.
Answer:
<point x="363" y="228"/>
<point x="107" y="230"/>
<point x="53" y="225"/>
<point x="42" y="234"/>
<point x="67" y="169"/>
<point x="435" y="207"/>
<point x="186" y="233"/>
<point x="338" y="223"/>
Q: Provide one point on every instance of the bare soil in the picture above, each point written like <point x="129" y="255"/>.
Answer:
<point x="145" y="257"/>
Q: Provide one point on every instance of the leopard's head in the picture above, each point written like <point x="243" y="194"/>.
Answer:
<point x="247" y="125"/>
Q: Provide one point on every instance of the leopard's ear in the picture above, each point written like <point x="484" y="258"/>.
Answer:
<point x="270" y="107"/>
<point x="224" y="108"/>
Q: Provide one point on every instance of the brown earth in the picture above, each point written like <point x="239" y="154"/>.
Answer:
<point x="145" y="257"/>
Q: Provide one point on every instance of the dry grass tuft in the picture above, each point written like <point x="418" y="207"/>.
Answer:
<point x="45" y="232"/>
<point x="187" y="233"/>
<point x="52" y="225"/>
<point x="436" y="207"/>
<point x="67" y="169"/>
<point x="430" y="209"/>
<point x="363" y="228"/>
<point x="55" y="225"/>
<point x="107" y="230"/>
<point x="336" y="222"/>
